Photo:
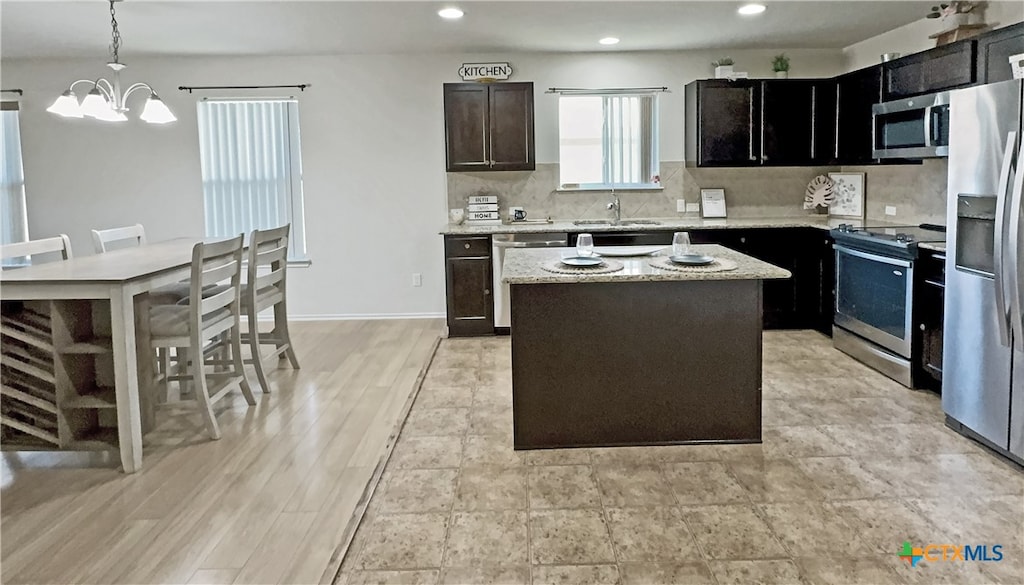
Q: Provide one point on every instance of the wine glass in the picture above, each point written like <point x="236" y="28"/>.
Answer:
<point x="585" y="245"/>
<point x="680" y="244"/>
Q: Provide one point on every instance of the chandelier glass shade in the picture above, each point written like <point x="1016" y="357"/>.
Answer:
<point x="105" y="100"/>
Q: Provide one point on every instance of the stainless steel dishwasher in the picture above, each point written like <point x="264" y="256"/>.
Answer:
<point x="502" y="242"/>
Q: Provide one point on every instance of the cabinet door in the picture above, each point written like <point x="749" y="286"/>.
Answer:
<point x="511" y="127"/>
<point x="470" y="304"/>
<point x="857" y="93"/>
<point x="825" y="120"/>
<point x="995" y="50"/>
<point x="826" y="281"/>
<point x="787" y="122"/>
<point x="938" y="69"/>
<point x="465" y="126"/>
<point x="727" y="123"/>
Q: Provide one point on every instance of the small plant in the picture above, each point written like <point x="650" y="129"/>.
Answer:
<point x="944" y="10"/>
<point x="723" y="62"/>
<point x="780" y="63"/>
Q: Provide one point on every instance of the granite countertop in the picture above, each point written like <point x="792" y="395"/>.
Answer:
<point x="523" y="266"/>
<point x="933" y="246"/>
<point x="818" y="221"/>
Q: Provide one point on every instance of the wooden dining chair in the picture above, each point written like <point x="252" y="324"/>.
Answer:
<point x="58" y="244"/>
<point x="266" y="288"/>
<point x="206" y="330"/>
<point x="102" y="239"/>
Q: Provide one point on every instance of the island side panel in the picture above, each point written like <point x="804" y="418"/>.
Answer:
<point x="636" y="363"/>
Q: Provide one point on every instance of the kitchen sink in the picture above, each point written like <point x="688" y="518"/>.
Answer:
<point x="639" y="222"/>
<point x="593" y="222"/>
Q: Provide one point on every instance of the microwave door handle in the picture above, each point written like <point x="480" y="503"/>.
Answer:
<point x="928" y="127"/>
<point x="999" y="248"/>
<point x="1013" y="251"/>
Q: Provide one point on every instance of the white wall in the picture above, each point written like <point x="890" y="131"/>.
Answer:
<point x="372" y="148"/>
<point x="913" y="37"/>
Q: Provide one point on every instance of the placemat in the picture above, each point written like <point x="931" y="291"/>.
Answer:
<point x="719" y="265"/>
<point x="557" y="267"/>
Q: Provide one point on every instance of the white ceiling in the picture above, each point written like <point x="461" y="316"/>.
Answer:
<point x="178" y="27"/>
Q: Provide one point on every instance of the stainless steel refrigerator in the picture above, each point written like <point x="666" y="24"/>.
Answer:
<point x="983" y="354"/>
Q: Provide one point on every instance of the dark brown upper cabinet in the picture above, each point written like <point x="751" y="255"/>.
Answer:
<point x="994" y="51"/>
<point x="939" y="69"/>
<point x="489" y="127"/>
<point x="759" y="122"/>
<point x="856" y="93"/>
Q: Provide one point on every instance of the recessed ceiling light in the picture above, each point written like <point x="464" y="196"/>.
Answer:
<point x="749" y="9"/>
<point x="609" y="41"/>
<point x="450" y="13"/>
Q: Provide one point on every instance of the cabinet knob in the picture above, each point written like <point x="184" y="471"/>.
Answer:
<point x="487" y="291"/>
<point x="466" y="246"/>
<point x="743" y="240"/>
<point x="921" y="327"/>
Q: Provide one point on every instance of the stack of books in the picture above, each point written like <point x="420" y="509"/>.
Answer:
<point x="483" y="210"/>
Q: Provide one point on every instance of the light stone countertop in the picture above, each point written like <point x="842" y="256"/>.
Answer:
<point x="817" y="221"/>
<point x="933" y="246"/>
<point x="523" y="266"/>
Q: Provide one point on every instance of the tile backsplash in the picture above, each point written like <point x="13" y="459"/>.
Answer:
<point x="917" y="192"/>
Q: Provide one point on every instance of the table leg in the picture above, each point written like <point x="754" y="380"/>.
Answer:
<point x="144" y="356"/>
<point x="129" y="418"/>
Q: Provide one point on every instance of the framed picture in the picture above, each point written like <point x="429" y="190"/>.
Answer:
<point x="848" y="190"/>
<point x="712" y="202"/>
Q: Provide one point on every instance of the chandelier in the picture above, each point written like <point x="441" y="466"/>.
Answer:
<point x="105" y="101"/>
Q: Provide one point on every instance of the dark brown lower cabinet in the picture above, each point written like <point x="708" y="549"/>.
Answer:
<point x="469" y="280"/>
<point x="929" y="296"/>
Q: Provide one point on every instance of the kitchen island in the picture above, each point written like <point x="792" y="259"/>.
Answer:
<point x="641" y="356"/>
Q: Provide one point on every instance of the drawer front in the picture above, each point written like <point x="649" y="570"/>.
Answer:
<point x="455" y="247"/>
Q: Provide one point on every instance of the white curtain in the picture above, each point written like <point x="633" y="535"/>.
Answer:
<point x="252" y="173"/>
<point x="13" y="218"/>
<point x="629" y="147"/>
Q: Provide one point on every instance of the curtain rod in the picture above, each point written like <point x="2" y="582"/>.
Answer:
<point x="17" y="91"/>
<point x="300" y="87"/>
<point x="605" y="89"/>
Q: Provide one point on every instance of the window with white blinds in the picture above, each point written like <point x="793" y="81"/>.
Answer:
<point x="252" y="169"/>
<point x="608" y="140"/>
<point x="13" y="216"/>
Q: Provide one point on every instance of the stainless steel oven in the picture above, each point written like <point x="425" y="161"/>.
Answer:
<point x="874" y="294"/>
<point x="916" y="127"/>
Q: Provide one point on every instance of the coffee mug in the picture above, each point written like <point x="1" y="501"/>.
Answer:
<point x="519" y="214"/>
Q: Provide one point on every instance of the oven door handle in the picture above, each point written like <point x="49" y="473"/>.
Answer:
<point x="998" y="248"/>
<point x="868" y="256"/>
<point x="928" y="127"/>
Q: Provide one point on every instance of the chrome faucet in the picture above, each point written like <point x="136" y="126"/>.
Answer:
<point x="616" y="205"/>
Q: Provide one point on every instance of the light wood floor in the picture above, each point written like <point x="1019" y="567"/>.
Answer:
<point x="268" y="503"/>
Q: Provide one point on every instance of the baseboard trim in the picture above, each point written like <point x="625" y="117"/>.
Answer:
<point x="359" y="316"/>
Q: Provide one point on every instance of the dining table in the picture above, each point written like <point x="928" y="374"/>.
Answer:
<point x="95" y="309"/>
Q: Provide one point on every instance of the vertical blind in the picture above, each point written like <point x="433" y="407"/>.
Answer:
<point x="251" y="166"/>
<point x="13" y="217"/>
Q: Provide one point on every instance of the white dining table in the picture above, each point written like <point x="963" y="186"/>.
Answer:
<point x="122" y="277"/>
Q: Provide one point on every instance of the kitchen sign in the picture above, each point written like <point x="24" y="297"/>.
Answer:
<point x="478" y="71"/>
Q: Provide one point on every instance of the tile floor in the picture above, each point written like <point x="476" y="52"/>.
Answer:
<point x="852" y="465"/>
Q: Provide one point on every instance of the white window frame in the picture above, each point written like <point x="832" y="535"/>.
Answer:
<point x="294" y="208"/>
<point x="607" y="143"/>
<point x="13" y="187"/>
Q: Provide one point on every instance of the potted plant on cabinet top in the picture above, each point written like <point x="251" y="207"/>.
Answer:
<point x="723" y="67"/>
<point x="780" y="65"/>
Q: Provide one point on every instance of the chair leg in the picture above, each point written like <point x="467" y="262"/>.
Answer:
<point x="236" y="358"/>
<point x="281" y="333"/>
<point x="254" y="348"/>
<point x="203" y="394"/>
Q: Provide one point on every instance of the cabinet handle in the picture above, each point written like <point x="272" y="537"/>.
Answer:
<point x="466" y="245"/>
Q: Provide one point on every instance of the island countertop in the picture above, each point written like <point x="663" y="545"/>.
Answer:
<point x="523" y="266"/>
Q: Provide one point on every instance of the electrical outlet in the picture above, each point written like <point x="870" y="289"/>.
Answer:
<point x="890" y="210"/>
<point x="681" y="205"/>
<point x="693" y="207"/>
<point x="417" y="279"/>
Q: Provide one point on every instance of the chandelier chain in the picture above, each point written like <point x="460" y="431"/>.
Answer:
<point x="115" y="34"/>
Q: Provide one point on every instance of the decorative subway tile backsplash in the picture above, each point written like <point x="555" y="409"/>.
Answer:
<point x="917" y="191"/>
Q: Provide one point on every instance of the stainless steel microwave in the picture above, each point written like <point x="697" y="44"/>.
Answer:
<point x="916" y="127"/>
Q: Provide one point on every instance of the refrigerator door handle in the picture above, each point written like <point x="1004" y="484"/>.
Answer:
<point x="1013" y="249"/>
<point x="998" y="249"/>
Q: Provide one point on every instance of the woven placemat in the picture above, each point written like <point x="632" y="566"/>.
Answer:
<point x="605" y="267"/>
<point x="719" y="265"/>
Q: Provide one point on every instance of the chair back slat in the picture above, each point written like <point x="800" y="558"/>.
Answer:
<point x="211" y="264"/>
<point x="217" y="301"/>
<point x="101" y="239"/>
<point x="272" y="278"/>
<point x="59" y="244"/>
<point x="268" y="256"/>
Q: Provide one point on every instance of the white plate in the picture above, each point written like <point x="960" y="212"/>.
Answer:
<point x="628" y="250"/>
<point x="581" y="261"/>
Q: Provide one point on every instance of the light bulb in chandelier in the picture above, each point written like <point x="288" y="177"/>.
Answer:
<point x="66" y="105"/>
<point x="156" y="111"/>
<point x="95" y="105"/>
<point x="112" y="115"/>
